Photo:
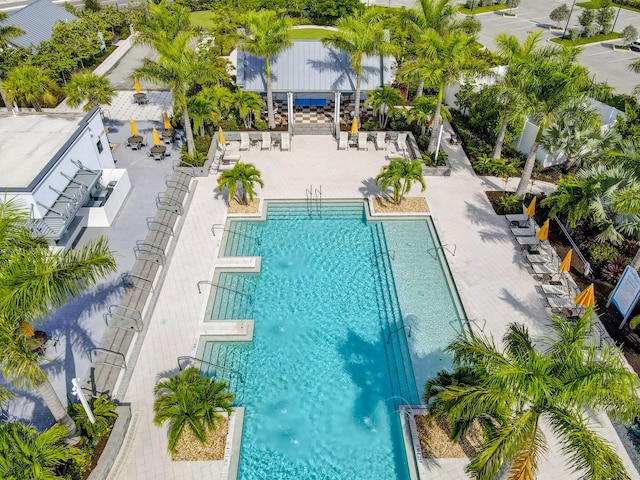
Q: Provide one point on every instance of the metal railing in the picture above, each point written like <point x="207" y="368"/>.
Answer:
<point x="126" y="280"/>
<point x="91" y="351"/>
<point x="397" y="330"/>
<point x="587" y="266"/>
<point x="147" y="248"/>
<point x="168" y="229"/>
<point x="442" y="247"/>
<point x="389" y="253"/>
<point x="137" y="320"/>
<point x="213" y="284"/>
<point x="215" y="365"/>
<point x="225" y="229"/>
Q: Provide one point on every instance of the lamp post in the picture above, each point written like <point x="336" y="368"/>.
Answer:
<point x="616" y="19"/>
<point x="438" y="144"/>
<point x="564" y="34"/>
<point x="77" y="391"/>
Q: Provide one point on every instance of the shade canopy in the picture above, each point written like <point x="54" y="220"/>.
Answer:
<point x="167" y="123"/>
<point x="156" y="138"/>
<point x="543" y="233"/>
<point x="586" y="298"/>
<point x="531" y="209"/>
<point x="134" y="130"/>
<point x="136" y="85"/>
<point x="565" y="266"/>
<point x="354" y="126"/>
<point x="221" y="136"/>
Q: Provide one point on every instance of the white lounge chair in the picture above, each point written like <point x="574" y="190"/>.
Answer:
<point x="518" y="219"/>
<point x="362" y="141"/>
<point x="266" y="141"/>
<point x="284" y="142"/>
<point x="528" y="231"/>
<point x="245" y="143"/>
<point x="530" y="243"/>
<point x="401" y="142"/>
<point x="343" y="141"/>
<point x="381" y="141"/>
<point x="554" y="290"/>
<point x="396" y="156"/>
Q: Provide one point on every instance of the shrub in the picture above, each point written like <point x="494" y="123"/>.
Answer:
<point x="483" y="165"/>
<point x="260" y="124"/>
<point x="198" y="159"/>
<point x="629" y="247"/>
<point x="429" y="161"/>
<point x="370" y="126"/>
<point x="202" y="143"/>
<point x="230" y="124"/>
<point x="509" y="203"/>
<point x="574" y="33"/>
<point x="613" y="270"/>
<point x="602" y="253"/>
<point x="104" y="412"/>
<point x="423" y="142"/>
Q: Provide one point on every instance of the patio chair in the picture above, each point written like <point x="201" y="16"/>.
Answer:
<point x="266" y="141"/>
<point x="284" y="142"/>
<point x="518" y="220"/>
<point x="530" y="243"/>
<point x="396" y="156"/>
<point x="245" y="143"/>
<point x="381" y="141"/>
<point x="343" y="141"/>
<point x="544" y="271"/>
<point x="554" y="290"/>
<point x="401" y="142"/>
<point x="538" y="258"/>
<point x="528" y="231"/>
<point x="362" y="141"/>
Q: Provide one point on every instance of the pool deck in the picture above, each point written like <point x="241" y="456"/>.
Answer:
<point x="488" y="268"/>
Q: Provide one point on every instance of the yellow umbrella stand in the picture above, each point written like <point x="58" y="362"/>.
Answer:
<point x="531" y="209"/>
<point x="221" y="135"/>
<point x="586" y="298"/>
<point x="156" y="138"/>
<point x="354" y="127"/>
<point x="134" y="130"/>
<point x="136" y="85"/>
<point x="167" y="123"/>
<point x="543" y="233"/>
<point x="565" y="266"/>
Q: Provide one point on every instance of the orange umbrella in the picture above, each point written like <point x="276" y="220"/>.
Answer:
<point x="134" y="130"/>
<point x="354" y="127"/>
<point x="167" y="123"/>
<point x="565" y="266"/>
<point x="221" y="136"/>
<point x="136" y="85"/>
<point x="586" y="298"/>
<point x="531" y="209"/>
<point x="543" y="233"/>
<point x="156" y="138"/>
<point x="26" y="329"/>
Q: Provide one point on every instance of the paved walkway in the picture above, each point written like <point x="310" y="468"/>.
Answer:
<point x="488" y="268"/>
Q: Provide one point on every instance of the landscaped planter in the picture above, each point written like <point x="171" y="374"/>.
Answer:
<point x="202" y="171"/>
<point x="110" y="452"/>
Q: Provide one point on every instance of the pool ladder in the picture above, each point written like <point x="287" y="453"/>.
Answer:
<point x="442" y="247"/>
<point x="397" y="330"/>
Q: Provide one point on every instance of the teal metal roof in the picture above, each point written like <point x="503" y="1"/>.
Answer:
<point x="37" y="19"/>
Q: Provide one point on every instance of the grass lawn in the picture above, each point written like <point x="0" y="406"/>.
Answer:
<point x="202" y="19"/>
<point x="596" y="4"/>
<point x="476" y="10"/>
<point x="586" y="40"/>
<point x="309" y="33"/>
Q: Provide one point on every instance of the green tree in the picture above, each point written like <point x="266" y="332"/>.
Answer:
<point x="605" y="15"/>
<point x="27" y="454"/>
<point x="629" y="34"/>
<point x="104" y="413"/>
<point x="249" y="105"/>
<point x="201" y="110"/>
<point x="91" y="5"/>
<point x="384" y="99"/>
<point x="191" y="401"/>
<point x="422" y="111"/>
<point x="222" y="100"/>
<point x="267" y="34"/>
<point x="7" y="33"/>
<point x="400" y="175"/>
<point x="360" y="35"/>
<point x="90" y="89"/>
<point x="28" y="85"/>
<point x="560" y="14"/>
<point x="33" y="280"/>
<point x="560" y="381"/>
<point x="243" y="176"/>
<point x="443" y="61"/>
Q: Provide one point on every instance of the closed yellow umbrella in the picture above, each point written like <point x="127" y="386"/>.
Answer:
<point x="167" y="123"/>
<point x="134" y="130"/>
<point x="586" y="298"/>
<point x="565" y="266"/>
<point x="531" y="209"/>
<point x="156" y="138"/>
<point x="221" y="135"/>
<point x="26" y="329"/>
<point x="354" y="127"/>
<point x="543" y="233"/>
<point x="136" y="85"/>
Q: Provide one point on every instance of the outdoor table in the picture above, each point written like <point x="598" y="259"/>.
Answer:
<point x="168" y="133"/>
<point x="135" y="141"/>
<point x="255" y="143"/>
<point x="158" y="152"/>
<point x="37" y="342"/>
<point x="140" y="97"/>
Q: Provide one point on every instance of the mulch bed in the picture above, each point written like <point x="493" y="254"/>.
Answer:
<point x="251" y="207"/>
<point x="190" y="449"/>
<point x="435" y="443"/>
<point x="408" y="205"/>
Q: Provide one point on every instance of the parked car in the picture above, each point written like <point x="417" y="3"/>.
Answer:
<point x="635" y="46"/>
<point x="455" y="139"/>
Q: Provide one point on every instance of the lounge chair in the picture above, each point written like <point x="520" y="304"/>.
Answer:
<point x="362" y="141"/>
<point x="284" y="142"/>
<point x="530" y="243"/>
<point x="229" y="157"/>
<point x="401" y="142"/>
<point x="518" y="220"/>
<point x="266" y="141"/>
<point x="554" y="290"/>
<point x="381" y="142"/>
<point x="544" y="271"/>
<point x="396" y="156"/>
<point x="245" y="143"/>
<point x="343" y="141"/>
<point x="538" y="258"/>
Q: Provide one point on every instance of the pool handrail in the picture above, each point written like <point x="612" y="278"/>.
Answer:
<point x="194" y="359"/>
<point x="224" y="288"/>
<point x="403" y="327"/>
<point x="227" y="229"/>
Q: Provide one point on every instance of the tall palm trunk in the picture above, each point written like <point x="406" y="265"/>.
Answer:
<point x="435" y="125"/>
<point x="527" y="171"/>
<point x="420" y="89"/>
<point x="53" y="403"/>
<point x="356" y="112"/>
<point x="188" y="131"/>
<point x="635" y="263"/>
<point x="270" y="116"/>
<point x="3" y="94"/>
<point x="497" y="150"/>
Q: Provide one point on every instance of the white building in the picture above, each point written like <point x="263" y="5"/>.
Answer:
<point x="61" y="168"/>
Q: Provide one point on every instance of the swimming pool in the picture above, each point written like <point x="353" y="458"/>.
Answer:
<point x="329" y="362"/>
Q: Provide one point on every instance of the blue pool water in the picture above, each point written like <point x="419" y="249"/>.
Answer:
<point x="330" y="361"/>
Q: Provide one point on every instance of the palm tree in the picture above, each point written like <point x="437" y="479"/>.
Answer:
<point x="191" y="401"/>
<point x="90" y="89"/>
<point x="104" y="413"/>
<point x="221" y="97"/>
<point x="163" y="23"/>
<point x="522" y="384"/>
<point x="243" y="175"/>
<point x="7" y="33"/>
<point x="201" y="110"/>
<point x="400" y="174"/>
<point x="268" y="34"/>
<point x="444" y="60"/>
<point x="29" y="85"/>
<point x="360" y="35"/>
<point x="423" y="110"/>
<point x="26" y="453"/>
<point x="552" y="84"/>
<point x="249" y="105"/>
<point x="384" y="99"/>
<point x="33" y="280"/>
